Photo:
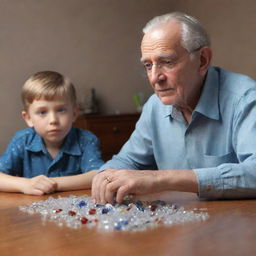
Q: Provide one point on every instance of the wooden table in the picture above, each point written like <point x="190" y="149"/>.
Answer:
<point x="230" y="230"/>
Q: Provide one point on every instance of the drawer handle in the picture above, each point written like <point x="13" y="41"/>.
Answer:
<point x="115" y="129"/>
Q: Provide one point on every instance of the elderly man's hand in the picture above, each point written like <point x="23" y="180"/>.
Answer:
<point x="118" y="183"/>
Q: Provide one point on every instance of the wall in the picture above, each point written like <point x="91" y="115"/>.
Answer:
<point x="231" y="25"/>
<point x="96" y="43"/>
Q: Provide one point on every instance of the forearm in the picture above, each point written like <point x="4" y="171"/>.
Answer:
<point x="75" y="182"/>
<point x="10" y="183"/>
<point x="228" y="181"/>
<point x="177" y="180"/>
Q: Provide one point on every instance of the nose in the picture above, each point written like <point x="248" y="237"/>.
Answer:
<point x="53" y="118"/>
<point x="156" y="75"/>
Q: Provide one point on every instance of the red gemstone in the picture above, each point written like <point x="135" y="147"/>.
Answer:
<point x="58" y="210"/>
<point x="92" y="211"/>
<point x="72" y="213"/>
<point x="153" y="207"/>
<point x="84" y="220"/>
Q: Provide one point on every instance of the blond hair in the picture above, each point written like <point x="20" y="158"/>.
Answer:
<point x="47" y="85"/>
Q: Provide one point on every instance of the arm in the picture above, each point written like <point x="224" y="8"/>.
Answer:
<point x="11" y="170"/>
<point x="41" y="184"/>
<point x="75" y="182"/>
<point x="38" y="185"/>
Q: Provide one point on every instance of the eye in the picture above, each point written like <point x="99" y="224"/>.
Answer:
<point x="148" y="66"/>
<point x="168" y="63"/>
<point x="62" y="110"/>
<point x="41" y="112"/>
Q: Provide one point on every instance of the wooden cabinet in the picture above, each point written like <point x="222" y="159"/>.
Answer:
<point x="112" y="130"/>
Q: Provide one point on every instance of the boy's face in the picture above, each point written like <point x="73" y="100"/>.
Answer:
<point x="52" y="120"/>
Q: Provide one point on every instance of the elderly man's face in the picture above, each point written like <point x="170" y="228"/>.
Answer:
<point x="172" y="71"/>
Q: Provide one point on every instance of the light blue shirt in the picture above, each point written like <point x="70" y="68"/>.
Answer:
<point x="26" y="155"/>
<point x="219" y="144"/>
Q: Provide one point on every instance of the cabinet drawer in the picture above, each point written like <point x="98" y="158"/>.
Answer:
<point x="113" y="130"/>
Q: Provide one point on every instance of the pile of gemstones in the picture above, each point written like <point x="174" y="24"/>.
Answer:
<point x="79" y="211"/>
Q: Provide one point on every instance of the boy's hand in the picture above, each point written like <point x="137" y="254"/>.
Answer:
<point x="38" y="185"/>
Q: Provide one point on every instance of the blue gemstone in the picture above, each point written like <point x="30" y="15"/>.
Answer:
<point x="118" y="227"/>
<point x="82" y="204"/>
<point x="140" y="207"/>
<point x="105" y="210"/>
<point x="123" y="222"/>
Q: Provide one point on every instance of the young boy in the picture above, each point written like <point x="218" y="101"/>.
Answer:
<point x="38" y="157"/>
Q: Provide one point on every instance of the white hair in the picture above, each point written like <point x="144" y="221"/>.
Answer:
<point x="193" y="34"/>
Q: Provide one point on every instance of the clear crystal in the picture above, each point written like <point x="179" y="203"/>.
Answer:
<point x="129" y="216"/>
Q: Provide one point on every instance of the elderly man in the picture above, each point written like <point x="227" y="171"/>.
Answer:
<point x="197" y="133"/>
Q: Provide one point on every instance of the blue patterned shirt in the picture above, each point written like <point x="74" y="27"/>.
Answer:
<point x="219" y="144"/>
<point x="26" y="155"/>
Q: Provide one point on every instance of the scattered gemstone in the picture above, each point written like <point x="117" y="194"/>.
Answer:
<point x="140" y="207"/>
<point x="123" y="222"/>
<point x="84" y="220"/>
<point x="82" y="204"/>
<point x="92" y="211"/>
<point x="128" y="216"/>
<point x="153" y="207"/>
<point x="105" y="210"/>
<point x="72" y="213"/>
<point x="57" y="210"/>
<point x="110" y="206"/>
<point x="117" y="227"/>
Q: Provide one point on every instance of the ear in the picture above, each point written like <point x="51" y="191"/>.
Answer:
<point x="75" y="113"/>
<point x="26" y="117"/>
<point x="205" y="59"/>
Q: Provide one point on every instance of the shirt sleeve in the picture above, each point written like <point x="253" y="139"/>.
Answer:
<point x="137" y="152"/>
<point x="91" y="159"/>
<point x="235" y="180"/>
<point x="11" y="161"/>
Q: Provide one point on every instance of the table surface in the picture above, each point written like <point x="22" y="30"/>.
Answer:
<point x="230" y="230"/>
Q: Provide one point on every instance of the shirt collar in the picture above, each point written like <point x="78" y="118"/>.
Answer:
<point x="167" y="110"/>
<point x="71" y="145"/>
<point x="36" y="144"/>
<point x="208" y="104"/>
